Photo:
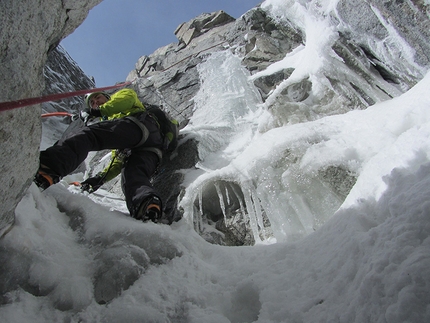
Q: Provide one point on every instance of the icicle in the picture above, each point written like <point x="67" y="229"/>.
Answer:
<point x="251" y="213"/>
<point x="227" y="194"/>
<point x="221" y="200"/>
<point x="241" y="203"/>
<point x="258" y="213"/>
<point x="278" y="217"/>
<point x="306" y="217"/>
<point x="199" y="220"/>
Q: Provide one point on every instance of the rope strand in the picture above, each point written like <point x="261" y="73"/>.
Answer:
<point x="4" y="106"/>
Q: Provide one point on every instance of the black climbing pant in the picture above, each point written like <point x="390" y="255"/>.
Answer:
<point x="66" y="155"/>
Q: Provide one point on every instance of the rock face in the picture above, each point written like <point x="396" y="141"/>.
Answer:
<point x="169" y="77"/>
<point x="62" y="74"/>
<point x="29" y="31"/>
<point x="409" y="18"/>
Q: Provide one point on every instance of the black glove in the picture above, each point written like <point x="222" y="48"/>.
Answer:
<point x="95" y="112"/>
<point x="92" y="184"/>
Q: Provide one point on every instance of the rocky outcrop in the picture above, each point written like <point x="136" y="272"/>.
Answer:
<point x="367" y="22"/>
<point x="187" y="31"/>
<point x="62" y="75"/>
<point x="29" y="31"/>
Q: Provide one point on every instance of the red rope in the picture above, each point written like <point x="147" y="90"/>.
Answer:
<point x="4" y="106"/>
<point x="56" y="114"/>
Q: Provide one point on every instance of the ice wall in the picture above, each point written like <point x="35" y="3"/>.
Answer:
<point x="281" y="168"/>
<point x="246" y="175"/>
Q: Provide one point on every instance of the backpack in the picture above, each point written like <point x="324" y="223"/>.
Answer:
<point x="169" y="127"/>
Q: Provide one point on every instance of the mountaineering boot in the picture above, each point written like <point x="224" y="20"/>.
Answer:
<point x="150" y="209"/>
<point x="45" y="178"/>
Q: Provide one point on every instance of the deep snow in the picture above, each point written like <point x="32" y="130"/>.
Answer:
<point x="362" y="260"/>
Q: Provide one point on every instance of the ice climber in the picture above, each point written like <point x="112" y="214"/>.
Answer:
<point x="127" y="128"/>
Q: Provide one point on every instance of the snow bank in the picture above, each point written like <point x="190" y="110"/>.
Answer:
<point x="368" y="263"/>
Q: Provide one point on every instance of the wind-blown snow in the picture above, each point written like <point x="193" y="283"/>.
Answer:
<point x="362" y="259"/>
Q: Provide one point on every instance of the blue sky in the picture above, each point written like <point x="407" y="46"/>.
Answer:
<point x="117" y="32"/>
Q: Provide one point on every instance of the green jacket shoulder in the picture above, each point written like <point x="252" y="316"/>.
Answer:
<point x="121" y="104"/>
